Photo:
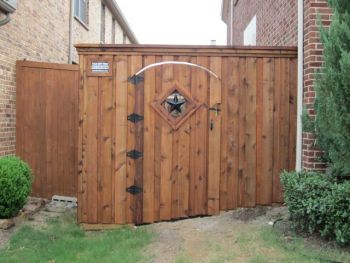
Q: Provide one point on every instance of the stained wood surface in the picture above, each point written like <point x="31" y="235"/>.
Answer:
<point x="213" y="161"/>
<point x="47" y="125"/>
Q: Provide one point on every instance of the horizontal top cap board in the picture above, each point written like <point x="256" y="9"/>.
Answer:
<point x="239" y="51"/>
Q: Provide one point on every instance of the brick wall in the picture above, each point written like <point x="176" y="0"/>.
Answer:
<point x="312" y="61"/>
<point x="39" y="30"/>
<point x="277" y="21"/>
<point x="91" y="33"/>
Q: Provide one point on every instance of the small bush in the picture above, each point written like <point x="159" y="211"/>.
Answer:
<point x="318" y="204"/>
<point x="15" y="185"/>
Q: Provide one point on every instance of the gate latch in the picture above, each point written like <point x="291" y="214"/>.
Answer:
<point x="216" y="109"/>
<point x="134" y="190"/>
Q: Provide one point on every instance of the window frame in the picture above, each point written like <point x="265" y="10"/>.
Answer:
<point x="78" y="15"/>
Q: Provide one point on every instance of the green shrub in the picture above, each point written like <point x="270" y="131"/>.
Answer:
<point x="15" y="185"/>
<point x="332" y="103"/>
<point x="318" y="204"/>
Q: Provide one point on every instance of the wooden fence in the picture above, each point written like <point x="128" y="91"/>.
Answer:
<point x="141" y="164"/>
<point x="46" y="125"/>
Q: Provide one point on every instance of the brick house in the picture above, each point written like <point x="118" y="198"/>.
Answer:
<point x="47" y="31"/>
<point x="285" y="23"/>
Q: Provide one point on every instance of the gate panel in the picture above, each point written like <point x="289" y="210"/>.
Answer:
<point x="228" y="154"/>
<point x="47" y="124"/>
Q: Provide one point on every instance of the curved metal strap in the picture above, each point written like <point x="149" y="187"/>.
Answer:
<point x="176" y="63"/>
<point x="5" y="20"/>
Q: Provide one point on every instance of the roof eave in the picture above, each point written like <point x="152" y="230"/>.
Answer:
<point x="224" y="10"/>
<point x="118" y="15"/>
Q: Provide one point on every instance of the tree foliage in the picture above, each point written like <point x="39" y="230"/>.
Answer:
<point x="332" y="103"/>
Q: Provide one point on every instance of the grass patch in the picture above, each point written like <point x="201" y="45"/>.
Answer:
<point x="63" y="241"/>
<point x="183" y="258"/>
<point x="275" y="247"/>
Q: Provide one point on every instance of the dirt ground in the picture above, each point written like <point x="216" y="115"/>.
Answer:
<point x="207" y="238"/>
<point x="233" y="236"/>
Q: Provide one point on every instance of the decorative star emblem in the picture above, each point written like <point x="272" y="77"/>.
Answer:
<point x="175" y="103"/>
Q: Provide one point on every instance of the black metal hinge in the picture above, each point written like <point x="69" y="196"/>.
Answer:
<point x="135" y="79"/>
<point x="135" y="117"/>
<point x="134" y="190"/>
<point x="134" y="154"/>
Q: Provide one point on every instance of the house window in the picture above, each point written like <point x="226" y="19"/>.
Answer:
<point x="81" y="10"/>
<point x="103" y="23"/>
<point x="113" y="31"/>
<point x="250" y="33"/>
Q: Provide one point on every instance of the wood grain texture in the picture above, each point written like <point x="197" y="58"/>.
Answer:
<point x="166" y="151"/>
<point x="149" y="143"/>
<point x="47" y="125"/>
<point x="214" y="135"/>
<point x="121" y="126"/>
<point x="224" y="137"/>
<point x="211" y="162"/>
<point x="201" y="94"/>
<point x="232" y="135"/>
<point x="250" y="134"/>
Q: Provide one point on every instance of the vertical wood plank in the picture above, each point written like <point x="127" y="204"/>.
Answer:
<point x="139" y="109"/>
<point x="183" y="158"/>
<point x="214" y="147"/>
<point x="264" y="182"/>
<point x="51" y="131"/>
<point x="192" y="186"/>
<point x="259" y="124"/>
<point x="134" y="167"/>
<point x="224" y="134"/>
<point x="113" y="140"/>
<point x="105" y="155"/>
<point x="201" y="127"/>
<point x="157" y="144"/>
<point x="121" y="130"/>
<point x="82" y="187"/>
<point x="250" y="135"/>
<point x="166" y="150"/>
<point x="91" y="141"/>
<point x="175" y="187"/>
<point x="276" y="129"/>
<point x="232" y="135"/>
<point x="242" y="130"/>
<point x="149" y="137"/>
<point x="293" y="112"/>
<point x="36" y="125"/>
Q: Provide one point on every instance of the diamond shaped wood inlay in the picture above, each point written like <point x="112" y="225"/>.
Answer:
<point x="175" y="105"/>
